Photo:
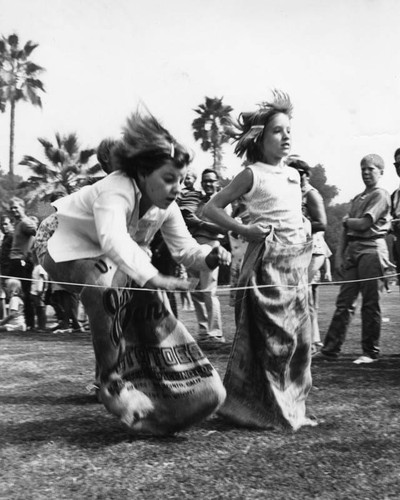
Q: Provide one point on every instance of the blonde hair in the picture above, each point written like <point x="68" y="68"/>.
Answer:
<point x="13" y="285"/>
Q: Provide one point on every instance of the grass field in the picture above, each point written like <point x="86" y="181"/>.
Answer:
<point x="58" y="443"/>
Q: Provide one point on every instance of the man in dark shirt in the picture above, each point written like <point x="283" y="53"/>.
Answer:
<point x="7" y="230"/>
<point x="21" y="265"/>
<point x="206" y="303"/>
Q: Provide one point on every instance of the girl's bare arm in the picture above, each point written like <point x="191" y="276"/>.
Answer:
<point x="214" y="209"/>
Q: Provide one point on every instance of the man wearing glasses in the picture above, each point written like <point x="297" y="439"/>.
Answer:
<point x="205" y="300"/>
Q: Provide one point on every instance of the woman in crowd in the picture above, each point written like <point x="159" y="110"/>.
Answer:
<point x="314" y="210"/>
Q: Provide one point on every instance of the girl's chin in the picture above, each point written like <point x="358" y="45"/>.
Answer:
<point x="167" y="203"/>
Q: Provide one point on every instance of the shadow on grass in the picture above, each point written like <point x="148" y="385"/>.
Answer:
<point x="87" y="432"/>
<point x="33" y="336"/>
<point x="40" y="400"/>
<point x="342" y="371"/>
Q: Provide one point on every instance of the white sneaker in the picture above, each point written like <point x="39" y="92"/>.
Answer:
<point x="63" y="330"/>
<point x="364" y="360"/>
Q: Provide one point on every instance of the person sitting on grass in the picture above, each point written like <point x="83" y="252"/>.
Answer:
<point x="15" y="319"/>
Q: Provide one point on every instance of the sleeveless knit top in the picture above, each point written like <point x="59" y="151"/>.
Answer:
<point x="275" y="198"/>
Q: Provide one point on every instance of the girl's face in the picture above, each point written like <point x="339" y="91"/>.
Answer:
<point x="162" y="186"/>
<point x="276" y="139"/>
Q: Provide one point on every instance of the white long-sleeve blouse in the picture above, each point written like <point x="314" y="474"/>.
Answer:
<point x="103" y="219"/>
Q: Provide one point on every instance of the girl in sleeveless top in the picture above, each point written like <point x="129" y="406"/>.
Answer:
<point x="268" y="375"/>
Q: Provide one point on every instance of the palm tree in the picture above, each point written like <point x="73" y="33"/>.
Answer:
<point x="68" y="169"/>
<point x="213" y="127"/>
<point x="18" y="81"/>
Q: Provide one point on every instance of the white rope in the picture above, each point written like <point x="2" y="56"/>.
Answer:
<point x="222" y="288"/>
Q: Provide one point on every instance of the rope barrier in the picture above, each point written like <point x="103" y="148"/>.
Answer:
<point x="221" y="288"/>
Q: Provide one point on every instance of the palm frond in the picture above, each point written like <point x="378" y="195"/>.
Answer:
<point x="32" y="96"/>
<point x="13" y="40"/>
<point x="31" y="68"/>
<point x="86" y="154"/>
<point x="35" y="83"/>
<point x="25" y="184"/>
<point x="29" y="47"/>
<point x="71" y="144"/>
<point x="30" y="161"/>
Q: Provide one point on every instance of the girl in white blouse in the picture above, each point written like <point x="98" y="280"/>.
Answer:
<point x="100" y="234"/>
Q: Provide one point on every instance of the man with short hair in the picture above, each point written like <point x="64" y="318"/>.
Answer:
<point x="21" y="265"/>
<point x="206" y="303"/>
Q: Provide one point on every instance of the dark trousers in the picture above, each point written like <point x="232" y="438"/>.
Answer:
<point x="357" y="267"/>
<point x="40" y="311"/>
<point x="66" y="306"/>
<point x="21" y="269"/>
<point x="396" y="256"/>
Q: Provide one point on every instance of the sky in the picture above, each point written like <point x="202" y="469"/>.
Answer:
<point x="338" y="60"/>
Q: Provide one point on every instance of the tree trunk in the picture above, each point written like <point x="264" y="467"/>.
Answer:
<point x="217" y="158"/>
<point x="12" y="136"/>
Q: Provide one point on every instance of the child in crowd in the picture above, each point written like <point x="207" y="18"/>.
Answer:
<point x="38" y="294"/>
<point x="186" y="297"/>
<point x="361" y="258"/>
<point x="268" y="376"/>
<point x="15" y="319"/>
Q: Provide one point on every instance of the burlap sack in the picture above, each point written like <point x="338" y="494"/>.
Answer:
<point x="268" y="375"/>
<point x="152" y="374"/>
<point x="161" y="361"/>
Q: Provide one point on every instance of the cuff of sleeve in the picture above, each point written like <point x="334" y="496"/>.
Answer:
<point x="145" y="275"/>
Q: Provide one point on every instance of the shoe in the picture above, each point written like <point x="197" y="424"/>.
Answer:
<point x="62" y="330"/>
<point x="211" y="338"/>
<point x="362" y="360"/>
<point x="324" y="356"/>
<point x="94" y="389"/>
